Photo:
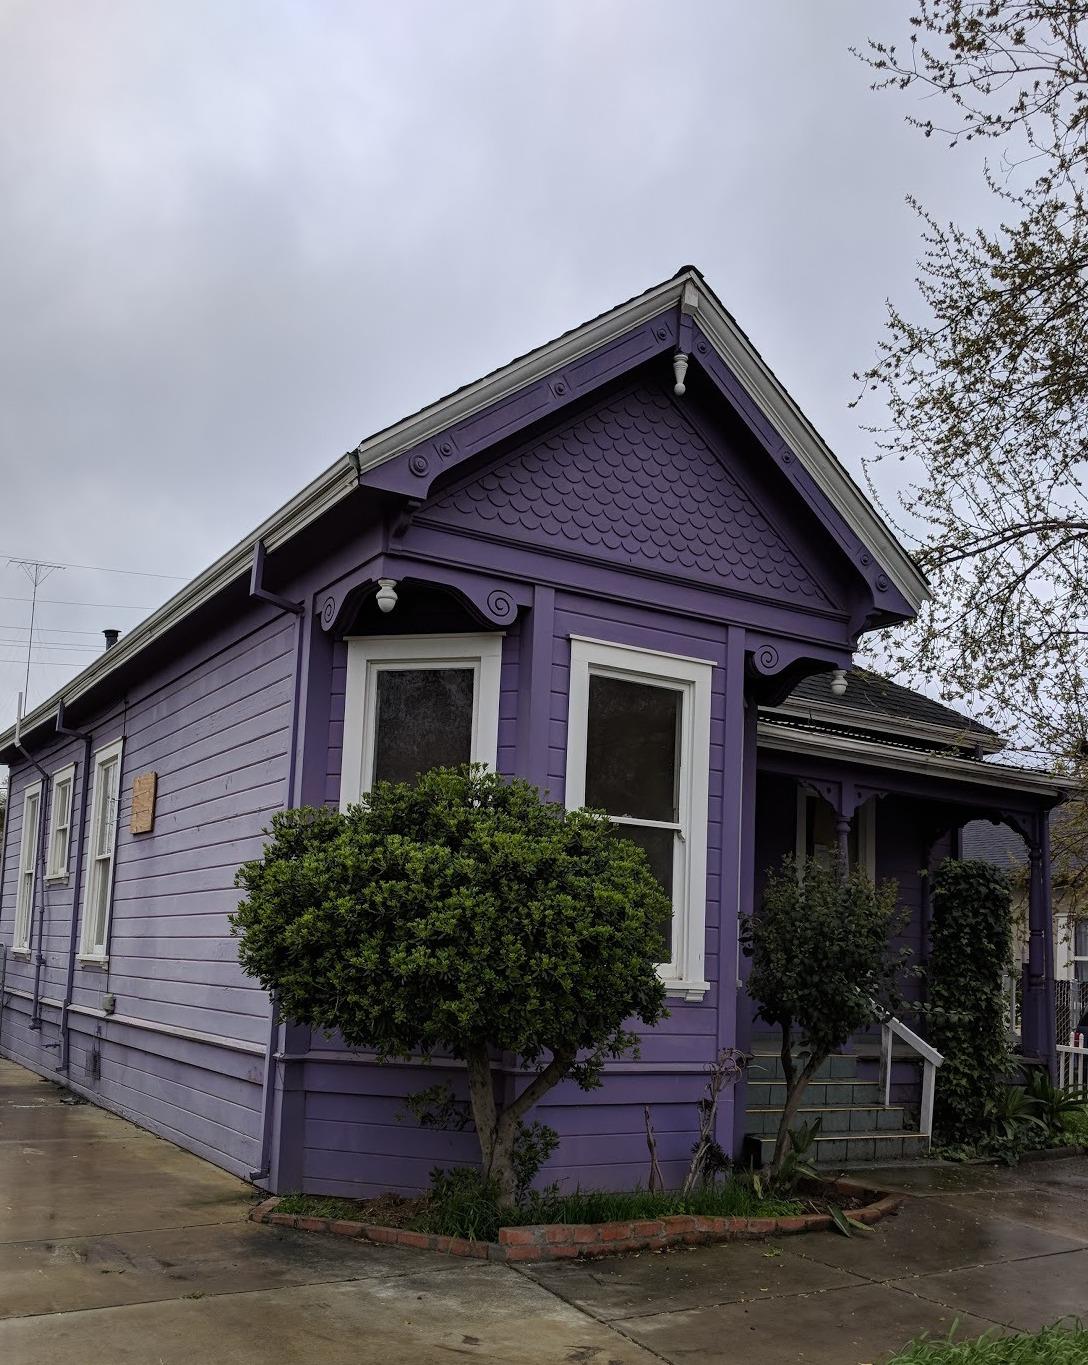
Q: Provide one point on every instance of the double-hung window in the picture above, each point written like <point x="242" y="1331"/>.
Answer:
<point x="638" y="747"/>
<point x="98" y="890"/>
<point x="60" y="821"/>
<point x="28" y="867"/>
<point x="415" y="702"/>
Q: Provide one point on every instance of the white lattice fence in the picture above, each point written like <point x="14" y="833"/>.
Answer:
<point x="1073" y="1065"/>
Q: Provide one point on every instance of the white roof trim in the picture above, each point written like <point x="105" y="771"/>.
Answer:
<point x="871" y="753"/>
<point x="850" y="717"/>
<point x="340" y="480"/>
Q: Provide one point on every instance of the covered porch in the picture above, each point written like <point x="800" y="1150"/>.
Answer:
<point x="895" y="806"/>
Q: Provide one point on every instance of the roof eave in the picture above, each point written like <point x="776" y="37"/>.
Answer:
<point x="341" y="479"/>
<point x="871" y="753"/>
<point x="846" y="717"/>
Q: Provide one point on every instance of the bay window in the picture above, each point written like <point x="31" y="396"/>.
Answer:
<point x="415" y="702"/>
<point x="638" y="747"/>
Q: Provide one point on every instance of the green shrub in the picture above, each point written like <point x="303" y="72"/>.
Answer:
<point x="823" y="966"/>
<point x="463" y="914"/>
<point x="971" y="947"/>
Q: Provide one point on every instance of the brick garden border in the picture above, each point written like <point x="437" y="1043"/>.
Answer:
<point x="567" y="1241"/>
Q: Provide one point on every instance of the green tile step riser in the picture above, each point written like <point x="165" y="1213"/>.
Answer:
<point x="847" y="1149"/>
<point x="843" y="1120"/>
<point x="817" y="1094"/>
<point x="768" y="1067"/>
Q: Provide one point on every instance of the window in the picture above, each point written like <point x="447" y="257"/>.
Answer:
<point x="28" y="867"/>
<point x="105" y="794"/>
<point x="638" y="747"/>
<point x="416" y="702"/>
<point x="60" y="822"/>
<point x="1079" y="946"/>
<point x="817" y="836"/>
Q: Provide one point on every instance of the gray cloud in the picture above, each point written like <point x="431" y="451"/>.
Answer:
<point x="237" y="237"/>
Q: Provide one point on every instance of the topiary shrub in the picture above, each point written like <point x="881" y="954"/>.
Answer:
<point x="823" y="966"/>
<point x="463" y="914"/>
<point x="970" y="949"/>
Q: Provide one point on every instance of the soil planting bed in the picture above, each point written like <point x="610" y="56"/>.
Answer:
<point x="566" y="1241"/>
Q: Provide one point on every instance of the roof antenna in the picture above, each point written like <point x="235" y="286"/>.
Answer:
<point x="37" y="571"/>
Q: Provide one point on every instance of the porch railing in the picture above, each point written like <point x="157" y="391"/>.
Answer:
<point x="1073" y="1065"/>
<point x="890" y="1029"/>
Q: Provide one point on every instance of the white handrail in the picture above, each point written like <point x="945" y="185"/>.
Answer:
<point x="891" y="1028"/>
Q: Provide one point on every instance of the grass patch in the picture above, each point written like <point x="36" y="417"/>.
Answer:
<point x="467" y="1208"/>
<point x="463" y="1205"/>
<point x="1062" y="1344"/>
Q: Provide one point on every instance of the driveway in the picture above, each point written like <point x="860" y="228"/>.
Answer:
<point x="117" y="1248"/>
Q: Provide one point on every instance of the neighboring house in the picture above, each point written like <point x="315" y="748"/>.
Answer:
<point x="629" y="541"/>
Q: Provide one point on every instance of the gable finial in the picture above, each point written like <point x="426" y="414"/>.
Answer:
<point x="679" y="369"/>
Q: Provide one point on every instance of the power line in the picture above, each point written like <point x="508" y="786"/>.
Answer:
<point x="99" y="568"/>
<point x="48" y="630"/>
<point x="51" y="663"/>
<point x="59" y="602"/>
<point x="44" y="644"/>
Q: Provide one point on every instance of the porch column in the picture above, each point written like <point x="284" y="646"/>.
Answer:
<point x="1037" y="1022"/>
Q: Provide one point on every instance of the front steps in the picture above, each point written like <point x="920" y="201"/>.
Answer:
<point x="845" y="1094"/>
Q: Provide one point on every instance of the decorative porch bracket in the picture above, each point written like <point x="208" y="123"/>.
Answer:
<point x="845" y="798"/>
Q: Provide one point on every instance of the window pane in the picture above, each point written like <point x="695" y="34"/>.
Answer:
<point x="57" y="854"/>
<point x="631" y="748"/>
<point x="660" y="844"/>
<point x="423" y="720"/>
<point x="106" y="816"/>
<point x="1080" y="938"/>
<point x="100" y="890"/>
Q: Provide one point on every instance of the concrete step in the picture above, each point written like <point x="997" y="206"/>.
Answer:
<point x="837" y="1118"/>
<point x="767" y="1066"/>
<point x="764" y="1093"/>
<point x="852" y="1149"/>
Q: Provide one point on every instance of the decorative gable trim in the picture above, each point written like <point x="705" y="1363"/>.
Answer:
<point x="672" y="305"/>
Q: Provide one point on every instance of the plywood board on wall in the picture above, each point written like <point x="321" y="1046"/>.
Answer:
<point x="144" y="787"/>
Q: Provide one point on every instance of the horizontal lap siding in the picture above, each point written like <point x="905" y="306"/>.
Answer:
<point x="356" y="1145"/>
<point x="216" y="730"/>
<point x="361" y="1139"/>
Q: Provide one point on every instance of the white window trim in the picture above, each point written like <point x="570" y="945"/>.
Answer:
<point x="684" y="977"/>
<point x="28" y="868"/>
<point x="368" y="655"/>
<point x="88" y="951"/>
<point x="865" y="816"/>
<point x="58" y="870"/>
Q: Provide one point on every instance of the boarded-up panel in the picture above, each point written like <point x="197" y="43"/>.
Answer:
<point x="144" y="787"/>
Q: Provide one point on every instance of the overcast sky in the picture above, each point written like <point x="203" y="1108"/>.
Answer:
<point x="236" y="236"/>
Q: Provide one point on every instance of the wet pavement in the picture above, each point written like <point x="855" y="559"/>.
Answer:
<point x="115" y="1246"/>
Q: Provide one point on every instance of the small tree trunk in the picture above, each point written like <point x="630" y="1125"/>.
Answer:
<point x="481" y="1093"/>
<point x="657" y="1180"/>
<point x="795" y="1089"/>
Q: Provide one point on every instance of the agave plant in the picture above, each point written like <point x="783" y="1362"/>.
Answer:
<point x="1053" y="1104"/>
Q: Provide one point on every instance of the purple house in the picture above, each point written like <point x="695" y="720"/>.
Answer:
<point x="627" y="541"/>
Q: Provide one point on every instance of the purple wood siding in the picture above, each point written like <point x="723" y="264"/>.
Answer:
<point x="183" y="1052"/>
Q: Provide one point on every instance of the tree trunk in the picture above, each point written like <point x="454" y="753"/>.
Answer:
<point x="796" y="1086"/>
<point x="497" y="1130"/>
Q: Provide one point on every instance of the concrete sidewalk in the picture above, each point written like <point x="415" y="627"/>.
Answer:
<point x="117" y="1248"/>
